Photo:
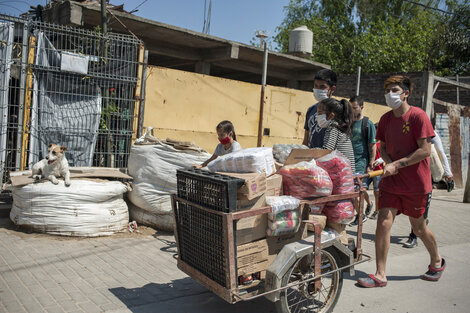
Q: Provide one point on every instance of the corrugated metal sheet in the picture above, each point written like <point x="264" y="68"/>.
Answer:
<point x="442" y="128"/>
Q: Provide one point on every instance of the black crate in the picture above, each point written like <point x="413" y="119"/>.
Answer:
<point x="211" y="190"/>
<point x="200" y="240"/>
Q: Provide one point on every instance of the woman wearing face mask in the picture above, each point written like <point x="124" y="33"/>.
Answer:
<point x="336" y="117"/>
<point x="228" y="143"/>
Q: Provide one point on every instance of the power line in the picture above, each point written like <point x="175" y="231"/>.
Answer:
<point x="431" y="8"/>
<point x="135" y="9"/>
<point x="207" y="18"/>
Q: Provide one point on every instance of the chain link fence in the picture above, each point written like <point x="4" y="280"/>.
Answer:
<point x="67" y="86"/>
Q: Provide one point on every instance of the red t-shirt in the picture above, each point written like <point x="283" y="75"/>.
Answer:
<point x="400" y="135"/>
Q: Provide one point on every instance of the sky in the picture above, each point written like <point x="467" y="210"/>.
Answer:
<point x="235" y="20"/>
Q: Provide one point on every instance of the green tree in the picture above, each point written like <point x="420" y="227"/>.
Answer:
<point x="454" y="57"/>
<point x="378" y="35"/>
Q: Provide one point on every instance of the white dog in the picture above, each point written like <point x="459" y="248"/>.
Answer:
<point x="54" y="165"/>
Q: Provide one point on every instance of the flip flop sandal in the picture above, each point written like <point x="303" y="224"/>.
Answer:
<point x="371" y="281"/>
<point x="433" y="273"/>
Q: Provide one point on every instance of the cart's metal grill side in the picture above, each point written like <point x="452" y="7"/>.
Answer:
<point x="200" y="239"/>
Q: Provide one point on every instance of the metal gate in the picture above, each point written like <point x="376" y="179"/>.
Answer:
<point x="66" y="86"/>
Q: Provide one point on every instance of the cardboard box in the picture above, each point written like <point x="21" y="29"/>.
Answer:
<point x="250" y="255"/>
<point x="340" y="229"/>
<point x="252" y="247"/>
<point x="253" y="268"/>
<point x="299" y="155"/>
<point x="318" y="218"/>
<point x="252" y="258"/>
<point x="276" y="243"/>
<point x="251" y="228"/>
<point x="255" y="203"/>
<point x="274" y="185"/>
<point x="255" y="185"/>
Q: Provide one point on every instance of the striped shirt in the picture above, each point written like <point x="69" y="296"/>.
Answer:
<point x="337" y="140"/>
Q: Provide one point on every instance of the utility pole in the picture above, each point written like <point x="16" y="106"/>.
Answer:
<point x="263" y="87"/>
<point x="358" y="80"/>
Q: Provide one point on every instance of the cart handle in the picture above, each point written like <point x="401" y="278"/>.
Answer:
<point x="370" y="174"/>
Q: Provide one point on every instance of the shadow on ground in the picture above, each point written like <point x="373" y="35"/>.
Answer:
<point x="359" y="274"/>
<point x="183" y="295"/>
<point x="366" y="236"/>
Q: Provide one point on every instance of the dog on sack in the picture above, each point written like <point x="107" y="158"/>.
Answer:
<point x="54" y="165"/>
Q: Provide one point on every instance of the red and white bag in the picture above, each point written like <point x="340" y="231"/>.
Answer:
<point x="339" y="169"/>
<point x="305" y="180"/>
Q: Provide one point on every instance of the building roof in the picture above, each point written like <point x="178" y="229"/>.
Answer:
<point x="178" y="48"/>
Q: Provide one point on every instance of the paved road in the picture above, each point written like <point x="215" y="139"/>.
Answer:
<point x="137" y="272"/>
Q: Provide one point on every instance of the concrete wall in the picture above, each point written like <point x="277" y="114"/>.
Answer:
<point x="188" y="106"/>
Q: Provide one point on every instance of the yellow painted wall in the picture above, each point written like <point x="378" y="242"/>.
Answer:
<point x="188" y="106"/>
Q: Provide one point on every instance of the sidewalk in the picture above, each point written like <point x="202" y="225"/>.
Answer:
<point x="137" y="272"/>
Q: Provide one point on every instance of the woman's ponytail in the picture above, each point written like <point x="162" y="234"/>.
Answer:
<point x="347" y="116"/>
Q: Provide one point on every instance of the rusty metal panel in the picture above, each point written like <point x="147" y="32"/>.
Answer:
<point x="455" y="144"/>
<point x="465" y="136"/>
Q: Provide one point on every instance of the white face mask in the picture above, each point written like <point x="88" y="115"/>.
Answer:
<point x="320" y="94"/>
<point x="393" y="100"/>
<point x="322" y="121"/>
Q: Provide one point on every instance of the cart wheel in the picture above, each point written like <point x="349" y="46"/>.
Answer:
<point x="303" y="298"/>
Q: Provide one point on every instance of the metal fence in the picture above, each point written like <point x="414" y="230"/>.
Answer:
<point x="66" y="86"/>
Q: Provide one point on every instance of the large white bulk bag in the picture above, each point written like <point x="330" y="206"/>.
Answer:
<point x="87" y="208"/>
<point x="162" y="222"/>
<point x="153" y="168"/>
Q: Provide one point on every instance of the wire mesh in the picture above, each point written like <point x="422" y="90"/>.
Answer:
<point x="214" y="191"/>
<point x="13" y="50"/>
<point x="200" y="239"/>
<point x="93" y="107"/>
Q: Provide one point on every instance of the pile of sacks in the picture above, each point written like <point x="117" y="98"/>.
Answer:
<point x="327" y="175"/>
<point x="153" y="164"/>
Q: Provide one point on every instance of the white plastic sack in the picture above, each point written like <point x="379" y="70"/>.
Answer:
<point x="86" y="208"/>
<point x="153" y="167"/>
<point x="142" y="217"/>
<point x="251" y="160"/>
<point x="282" y="203"/>
<point x="282" y="151"/>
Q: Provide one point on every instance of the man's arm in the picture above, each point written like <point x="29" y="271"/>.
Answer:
<point x="440" y="149"/>
<point x="306" y="135"/>
<point x="383" y="153"/>
<point x="372" y="153"/>
<point x="423" y="152"/>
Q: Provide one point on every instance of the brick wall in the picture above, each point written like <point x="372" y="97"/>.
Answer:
<point x="371" y="88"/>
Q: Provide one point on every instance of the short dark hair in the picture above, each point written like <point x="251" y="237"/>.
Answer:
<point x="227" y="127"/>
<point x="327" y="75"/>
<point x="404" y="82"/>
<point x="357" y="99"/>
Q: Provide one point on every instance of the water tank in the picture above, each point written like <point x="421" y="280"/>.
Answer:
<point x="301" y="41"/>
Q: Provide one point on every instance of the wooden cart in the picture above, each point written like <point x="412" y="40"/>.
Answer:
<point x="306" y="275"/>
